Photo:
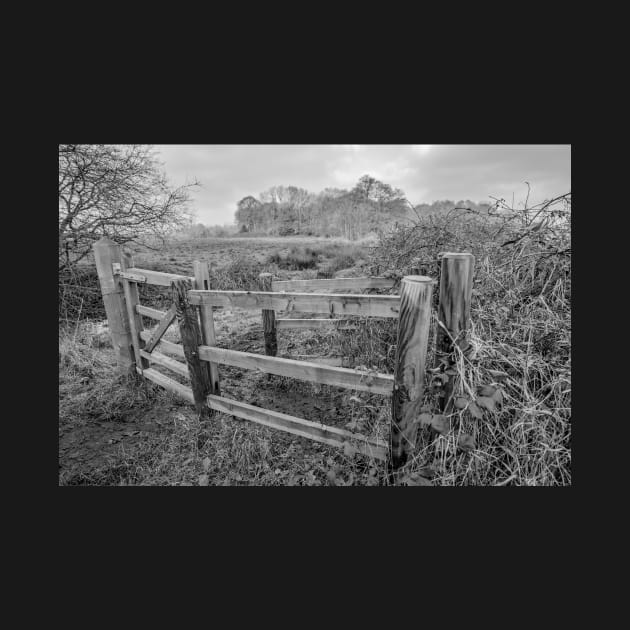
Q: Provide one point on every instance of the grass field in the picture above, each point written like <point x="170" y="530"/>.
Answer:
<point x="119" y="431"/>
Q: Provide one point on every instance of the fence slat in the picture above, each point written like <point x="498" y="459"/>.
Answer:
<point x="303" y="370"/>
<point x="206" y="319"/>
<point x="339" y="324"/>
<point x="107" y="253"/>
<point x="341" y="304"/>
<point x="333" y="284"/>
<point x="147" y="311"/>
<point x="268" y="318"/>
<point x="456" y="279"/>
<point x="411" y="352"/>
<point x="191" y="340"/>
<point x="167" y="383"/>
<point x="153" y="277"/>
<point x="132" y="299"/>
<point x="166" y="346"/>
<point x="161" y="359"/>
<point x="165" y="322"/>
<point x="305" y="428"/>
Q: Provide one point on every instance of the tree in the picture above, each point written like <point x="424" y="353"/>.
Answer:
<point x="119" y="191"/>
<point x="247" y="211"/>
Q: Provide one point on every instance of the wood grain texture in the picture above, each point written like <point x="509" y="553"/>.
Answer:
<point x="456" y="279"/>
<point x="338" y="361"/>
<point x="147" y="311"/>
<point x="167" y="383"/>
<point x="411" y="353"/>
<point x="166" y="346"/>
<point x="106" y="253"/>
<point x="191" y="340"/>
<point x="161" y="359"/>
<point x="206" y="319"/>
<point x="332" y="285"/>
<point x="165" y="322"/>
<point x="336" y="323"/>
<point x="268" y="318"/>
<point x="302" y="370"/>
<point x="156" y="277"/>
<point x="297" y="426"/>
<point x="342" y="304"/>
<point x="132" y="300"/>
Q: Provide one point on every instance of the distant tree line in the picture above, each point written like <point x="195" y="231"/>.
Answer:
<point x="370" y="206"/>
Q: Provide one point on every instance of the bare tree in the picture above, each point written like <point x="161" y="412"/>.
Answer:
<point x="119" y="191"/>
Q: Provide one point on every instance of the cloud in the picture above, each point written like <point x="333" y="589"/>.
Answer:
<point x="228" y="173"/>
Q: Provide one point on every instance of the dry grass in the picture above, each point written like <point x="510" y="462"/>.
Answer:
<point x="521" y="359"/>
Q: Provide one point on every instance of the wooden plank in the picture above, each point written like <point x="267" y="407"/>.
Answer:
<point x="339" y="324"/>
<point x="132" y="299"/>
<point x="147" y="311"/>
<point x="297" y="426"/>
<point x="342" y="304"/>
<point x="165" y="322"/>
<point x="107" y="253"/>
<point x="161" y="359"/>
<point x="303" y="370"/>
<point x="206" y="319"/>
<point x="333" y="284"/>
<point x="338" y="361"/>
<point x="154" y="277"/>
<point x="456" y="280"/>
<point x="411" y="353"/>
<point x="191" y="340"/>
<point x="132" y="277"/>
<point x="166" y="346"/>
<point x="268" y="318"/>
<point x="167" y="383"/>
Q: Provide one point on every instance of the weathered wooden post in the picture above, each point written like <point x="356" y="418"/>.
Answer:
<point x="106" y="253"/>
<point x="268" y="318"/>
<point x="414" y="319"/>
<point x="202" y="283"/>
<point x="456" y="279"/>
<point x="191" y="340"/>
<point x="132" y="299"/>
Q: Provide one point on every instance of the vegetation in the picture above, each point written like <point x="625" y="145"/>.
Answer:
<point x="511" y="424"/>
<point x="119" y="191"/>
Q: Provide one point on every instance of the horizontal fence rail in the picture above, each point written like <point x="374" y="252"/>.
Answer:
<point x="166" y="346"/>
<point x="153" y="313"/>
<point x="333" y="284"/>
<point x="167" y="383"/>
<point x="305" y="428"/>
<point x="303" y="370"/>
<point x="341" y="304"/>
<point x="161" y="359"/>
<point x="147" y="276"/>
<point x="338" y="324"/>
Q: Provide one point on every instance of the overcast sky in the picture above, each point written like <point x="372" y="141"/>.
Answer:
<point x="426" y="173"/>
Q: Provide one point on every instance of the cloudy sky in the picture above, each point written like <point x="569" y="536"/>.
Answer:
<point x="426" y="173"/>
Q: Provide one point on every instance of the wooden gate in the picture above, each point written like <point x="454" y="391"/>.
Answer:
<point x="192" y="307"/>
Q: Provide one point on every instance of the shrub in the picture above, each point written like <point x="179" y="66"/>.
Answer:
<point x="297" y="259"/>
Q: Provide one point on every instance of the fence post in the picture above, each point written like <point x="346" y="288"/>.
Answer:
<point x="106" y="253"/>
<point x="456" y="278"/>
<point x="202" y="283"/>
<point x="132" y="299"/>
<point x="268" y="318"/>
<point x="414" y="319"/>
<point x="191" y="340"/>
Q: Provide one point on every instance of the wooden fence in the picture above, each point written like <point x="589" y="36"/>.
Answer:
<point x="197" y="358"/>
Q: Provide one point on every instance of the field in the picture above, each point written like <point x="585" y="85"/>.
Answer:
<point x="118" y="431"/>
